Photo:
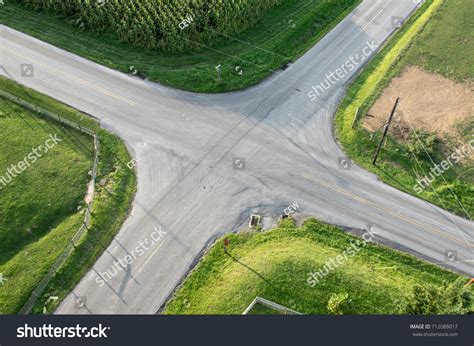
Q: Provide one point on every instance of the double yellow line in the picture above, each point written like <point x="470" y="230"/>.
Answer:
<point x="386" y="210"/>
<point x="77" y="79"/>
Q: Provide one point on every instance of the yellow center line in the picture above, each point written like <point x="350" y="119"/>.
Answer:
<point x="149" y="257"/>
<point x="77" y="79"/>
<point x="385" y="209"/>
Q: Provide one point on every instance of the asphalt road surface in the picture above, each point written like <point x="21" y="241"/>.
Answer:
<point x="206" y="162"/>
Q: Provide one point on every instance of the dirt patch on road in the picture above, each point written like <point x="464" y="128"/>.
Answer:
<point x="428" y="102"/>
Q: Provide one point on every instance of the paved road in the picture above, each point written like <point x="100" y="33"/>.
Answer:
<point x="188" y="183"/>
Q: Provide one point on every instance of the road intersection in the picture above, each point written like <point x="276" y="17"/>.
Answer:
<point x="206" y="162"/>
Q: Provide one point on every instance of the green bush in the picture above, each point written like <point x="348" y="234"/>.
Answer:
<point x="337" y="302"/>
<point x="430" y="300"/>
<point x="422" y="144"/>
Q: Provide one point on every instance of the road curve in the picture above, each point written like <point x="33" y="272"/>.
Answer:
<point x="191" y="190"/>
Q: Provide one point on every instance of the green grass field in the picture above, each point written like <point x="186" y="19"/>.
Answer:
<point x="39" y="208"/>
<point x="446" y="45"/>
<point x="280" y="36"/>
<point x="49" y="190"/>
<point x="275" y="265"/>
<point x="38" y="212"/>
<point x="442" y="45"/>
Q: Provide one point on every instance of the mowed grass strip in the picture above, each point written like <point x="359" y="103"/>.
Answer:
<point x="38" y="208"/>
<point x="275" y="265"/>
<point x="281" y="35"/>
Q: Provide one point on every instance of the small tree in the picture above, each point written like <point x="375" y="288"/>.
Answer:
<point x="446" y="299"/>
<point x="422" y="143"/>
<point x="337" y="302"/>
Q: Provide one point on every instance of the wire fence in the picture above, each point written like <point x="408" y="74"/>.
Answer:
<point x="27" y="308"/>
<point x="44" y="113"/>
<point x="269" y="304"/>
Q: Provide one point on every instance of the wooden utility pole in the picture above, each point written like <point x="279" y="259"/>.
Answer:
<point x="376" y="155"/>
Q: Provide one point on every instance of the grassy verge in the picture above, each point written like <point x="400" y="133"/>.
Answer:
<point x="276" y="264"/>
<point x="427" y="31"/>
<point x="43" y="214"/>
<point x="281" y="36"/>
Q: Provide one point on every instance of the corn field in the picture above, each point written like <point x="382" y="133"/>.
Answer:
<point x="156" y="23"/>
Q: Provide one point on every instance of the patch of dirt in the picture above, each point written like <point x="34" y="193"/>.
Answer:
<point x="90" y="192"/>
<point x="428" y="102"/>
